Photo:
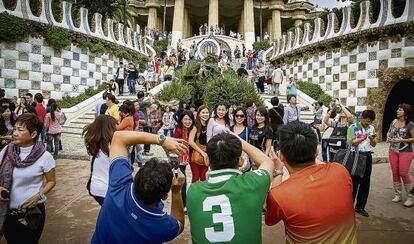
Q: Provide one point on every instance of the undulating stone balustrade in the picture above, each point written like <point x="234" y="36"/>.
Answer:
<point x="133" y="40"/>
<point x="300" y="38"/>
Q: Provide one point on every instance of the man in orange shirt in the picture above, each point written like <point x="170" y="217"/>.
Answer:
<point x="315" y="203"/>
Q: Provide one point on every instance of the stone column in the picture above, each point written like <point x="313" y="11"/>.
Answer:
<point x="298" y="22"/>
<point x="159" y="23"/>
<point x="270" y="28"/>
<point x="276" y="8"/>
<point x="185" y="23"/>
<point x="213" y="13"/>
<point x="249" y="35"/>
<point x="152" y="18"/>
<point x="241" y="23"/>
<point x="178" y="25"/>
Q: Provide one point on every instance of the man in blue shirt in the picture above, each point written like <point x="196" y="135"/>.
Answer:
<point x="133" y="211"/>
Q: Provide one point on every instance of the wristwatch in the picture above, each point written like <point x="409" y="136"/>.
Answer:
<point x="277" y="172"/>
<point x="161" y="139"/>
<point x="42" y="196"/>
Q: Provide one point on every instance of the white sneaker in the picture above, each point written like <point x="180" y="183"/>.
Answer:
<point x="410" y="201"/>
<point x="397" y="198"/>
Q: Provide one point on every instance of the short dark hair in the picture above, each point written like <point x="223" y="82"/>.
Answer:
<point x="368" y="114"/>
<point x="249" y="102"/>
<point x="290" y="97"/>
<point x="111" y="97"/>
<point x="153" y="181"/>
<point x="39" y="98"/>
<point x="408" y="111"/>
<point x="274" y="101"/>
<point x="140" y="94"/>
<point x="181" y="117"/>
<point x="224" y="151"/>
<point x="298" y="143"/>
<point x="29" y="94"/>
<point x="125" y="108"/>
<point x="31" y="122"/>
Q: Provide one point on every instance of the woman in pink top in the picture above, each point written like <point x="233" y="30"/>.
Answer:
<point x="53" y="128"/>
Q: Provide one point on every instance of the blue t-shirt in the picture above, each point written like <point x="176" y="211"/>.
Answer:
<point x="123" y="219"/>
<point x="244" y="134"/>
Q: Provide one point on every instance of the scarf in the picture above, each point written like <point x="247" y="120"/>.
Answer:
<point x="10" y="160"/>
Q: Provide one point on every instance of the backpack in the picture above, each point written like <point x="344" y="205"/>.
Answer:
<point x="338" y="137"/>
<point x="103" y="108"/>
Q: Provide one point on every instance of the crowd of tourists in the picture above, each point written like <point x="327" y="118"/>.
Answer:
<point x="235" y="155"/>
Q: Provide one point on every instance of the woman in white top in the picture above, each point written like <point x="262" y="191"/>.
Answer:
<point x="97" y="137"/>
<point x="24" y="165"/>
<point x="219" y="122"/>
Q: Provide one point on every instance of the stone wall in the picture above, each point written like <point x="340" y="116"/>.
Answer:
<point x="32" y="66"/>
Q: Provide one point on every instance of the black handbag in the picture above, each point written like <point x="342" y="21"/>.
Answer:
<point x="352" y="159"/>
<point x="338" y="137"/>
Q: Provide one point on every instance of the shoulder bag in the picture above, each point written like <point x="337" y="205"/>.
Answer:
<point x="196" y="157"/>
<point x="352" y="160"/>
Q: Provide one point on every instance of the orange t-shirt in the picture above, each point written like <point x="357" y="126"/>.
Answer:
<point x="126" y="124"/>
<point x="315" y="205"/>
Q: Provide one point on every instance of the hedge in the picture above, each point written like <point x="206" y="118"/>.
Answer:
<point x="314" y="91"/>
<point x="69" y="101"/>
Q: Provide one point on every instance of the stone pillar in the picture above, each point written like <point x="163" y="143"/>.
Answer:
<point x="185" y="24"/>
<point x="270" y="28"/>
<point x="213" y="13"/>
<point x="241" y="23"/>
<point x="152" y="18"/>
<point x="249" y="35"/>
<point x="178" y="25"/>
<point x="277" y="25"/>
<point x="159" y="23"/>
<point x="298" y="22"/>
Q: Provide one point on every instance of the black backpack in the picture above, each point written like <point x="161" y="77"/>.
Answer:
<point x="103" y="108"/>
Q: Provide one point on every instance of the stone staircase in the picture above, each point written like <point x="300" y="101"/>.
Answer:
<point x="75" y="126"/>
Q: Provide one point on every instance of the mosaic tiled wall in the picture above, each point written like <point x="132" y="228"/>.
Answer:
<point x="31" y="66"/>
<point x="348" y="75"/>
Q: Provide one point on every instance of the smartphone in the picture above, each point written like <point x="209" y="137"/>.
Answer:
<point x="175" y="163"/>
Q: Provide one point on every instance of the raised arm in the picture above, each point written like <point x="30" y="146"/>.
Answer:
<point x="122" y="139"/>
<point x="177" y="206"/>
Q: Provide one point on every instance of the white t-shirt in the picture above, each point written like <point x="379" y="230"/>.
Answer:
<point x="28" y="181"/>
<point x="277" y="75"/>
<point x="121" y="73"/>
<point x="100" y="175"/>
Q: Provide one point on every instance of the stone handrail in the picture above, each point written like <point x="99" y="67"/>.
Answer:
<point x="133" y="40"/>
<point x="290" y="41"/>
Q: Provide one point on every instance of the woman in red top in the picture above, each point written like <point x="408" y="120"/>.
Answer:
<point x="127" y="121"/>
<point x="185" y="124"/>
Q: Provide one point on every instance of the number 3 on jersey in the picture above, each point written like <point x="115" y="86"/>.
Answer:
<point x="225" y="218"/>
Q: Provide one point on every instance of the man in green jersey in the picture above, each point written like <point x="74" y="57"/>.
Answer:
<point x="227" y="207"/>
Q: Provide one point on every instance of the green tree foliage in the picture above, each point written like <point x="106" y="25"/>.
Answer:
<point x="314" y="91"/>
<point x="104" y="7"/>
<point x="262" y="45"/>
<point x="12" y="28"/>
<point x="160" y="46"/>
<point x="68" y="101"/>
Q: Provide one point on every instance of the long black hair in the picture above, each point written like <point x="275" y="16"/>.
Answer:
<point x="263" y="111"/>
<point x="53" y="108"/>
<point x="226" y="116"/>
<point x="180" y="119"/>
<point x="245" y="115"/>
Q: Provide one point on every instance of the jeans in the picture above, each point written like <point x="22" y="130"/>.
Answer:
<point x="138" y="154"/>
<point x="171" y="132"/>
<point x="184" y="188"/>
<point x="250" y="64"/>
<point x="276" y="88"/>
<point x="53" y="143"/>
<point x="131" y="86"/>
<point x="260" y="84"/>
<point x="361" y="185"/>
<point x="147" y="147"/>
<point x="120" y="83"/>
<point x="400" y="165"/>
<point x="15" y="232"/>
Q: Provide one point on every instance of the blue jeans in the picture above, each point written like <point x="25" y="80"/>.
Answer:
<point x="170" y="130"/>
<point x="250" y="64"/>
<point x="131" y="86"/>
<point x="184" y="188"/>
<point x="138" y="154"/>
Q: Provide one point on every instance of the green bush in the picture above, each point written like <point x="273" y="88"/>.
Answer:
<point x="57" y="38"/>
<point x="314" y="91"/>
<point x="12" y="28"/>
<point x="211" y="59"/>
<point x="177" y="90"/>
<point x="97" y="48"/>
<point x="69" y="101"/>
<point x="160" y="46"/>
<point x="262" y="45"/>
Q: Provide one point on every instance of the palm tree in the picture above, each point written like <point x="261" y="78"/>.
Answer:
<point x="124" y="13"/>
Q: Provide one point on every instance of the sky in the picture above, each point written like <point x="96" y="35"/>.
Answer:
<point x="330" y="3"/>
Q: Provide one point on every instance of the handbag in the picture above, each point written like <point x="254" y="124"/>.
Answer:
<point x="352" y="160"/>
<point x="338" y="138"/>
<point x="269" y="80"/>
<point x="196" y="157"/>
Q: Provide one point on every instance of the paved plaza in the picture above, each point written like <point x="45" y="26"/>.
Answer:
<point x="71" y="212"/>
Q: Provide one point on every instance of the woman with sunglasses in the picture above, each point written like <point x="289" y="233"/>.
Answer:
<point x="241" y="129"/>
<point x="27" y="175"/>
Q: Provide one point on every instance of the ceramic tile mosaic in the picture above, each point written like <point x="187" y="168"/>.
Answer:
<point x="76" y="56"/>
<point x="23" y="74"/>
<point x="66" y="62"/>
<point x="9" y="83"/>
<point x="10" y="64"/>
<point x="47" y="59"/>
<point x="372" y="56"/>
<point x="352" y="59"/>
<point x="66" y="79"/>
<point x="383" y="64"/>
<point x="336" y="61"/>
<point x="36" y="49"/>
<point x="322" y="64"/>
<point x="362" y="66"/>
<point x="396" y="53"/>
<point x="362" y="48"/>
<point x="372" y="74"/>
<point x="383" y="45"/>
<point x="409" y="41"/>
<point x="36" y="67"/>
<point x="409" y="62"/>
<point x="23" y="56"/>
<point x="329" y="71"/>
<point x="36" y="85"/>
<point x="56" y="70"/>
<point x="344" y="68"/>
<point x="47" y="77"/>
<point x="361" y="83"/>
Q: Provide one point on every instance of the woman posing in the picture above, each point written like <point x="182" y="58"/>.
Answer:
<point x="97" y="137"/>
<point x="241" y="129"/>
<point x="198" y="142"/>
<point x="401" y="138"/>
<point x="27" y="174"/>
<point x="261" y="134"/>
<point x="53" y="128"/>
<point x="220" y="121"/>
<point x="185" y="125"/>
